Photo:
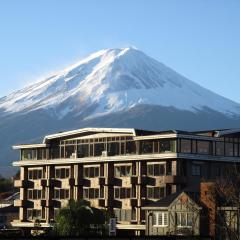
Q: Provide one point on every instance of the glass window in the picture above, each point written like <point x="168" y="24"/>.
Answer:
<point x="33" y="214"/>
<point x="82" y="150"/>
<point x="155" y="192"/>
<point x="123" y="171"/>
<point x="228" y="149"/>
<point x="130" y="147"/>
<point x="62" y="173"/>
<point x="185" y="146"/>
<point x="203" y="147"/>
<point x="99" y="148"/>
<point x="160" y="219"/>
<point x="61" y="193"/>
<point x="146" y="147"/>
<point x="156" y="169"/>
<point x="91" y="172"/>
<point x="196" y="170"/>
<point x="91" y="193"/>
<point x="220" y="148"/>
<point x="113" y="148"/>
<point x="122" y="193"/>
<point x="184" y="219"/>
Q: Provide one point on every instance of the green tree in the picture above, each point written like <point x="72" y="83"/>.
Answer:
<point x="79" y="218"/>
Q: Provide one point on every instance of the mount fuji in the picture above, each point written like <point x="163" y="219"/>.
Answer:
<point x="111" y="88"/>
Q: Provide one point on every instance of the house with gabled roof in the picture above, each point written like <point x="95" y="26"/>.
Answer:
<point x="176" y="214"/>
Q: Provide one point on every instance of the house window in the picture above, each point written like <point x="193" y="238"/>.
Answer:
<point x="184" y="219"/>
<point x="196" y="170"/>
<point x="156" y="169"/>
<point x="160" y="219"/>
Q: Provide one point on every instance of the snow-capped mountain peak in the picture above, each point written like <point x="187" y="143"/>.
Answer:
<point x="111" y="80"/>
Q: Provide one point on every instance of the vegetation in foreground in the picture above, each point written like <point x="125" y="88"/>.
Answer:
<point x="80" y="219"/>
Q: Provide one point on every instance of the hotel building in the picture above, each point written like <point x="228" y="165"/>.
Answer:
<point x="119" y="169"/>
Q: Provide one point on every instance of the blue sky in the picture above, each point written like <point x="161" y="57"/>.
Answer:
<point x="198" y="38"/>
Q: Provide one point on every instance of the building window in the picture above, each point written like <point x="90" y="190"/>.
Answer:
<point x="156" y="169"/>
<point x="98" y="149"/>
<point x="82" y="150"/>
<point x="34" y="194"/>
<point x="122" y="193"/>
<point x="220" y="148"/>
<point x="35" y="174"/>
<point x="203" y="147"/>
<point x="184" y="219"/>
<point x="93" y="193"/>
<point x="113" y="148"/>
<point x="155" y="192"/>
<point x="62" y="172"/>
<point x="124" y="215"/>
<point x="28" y="154"/>
<point x="123" y="171"/>
<point x="160" y="219"/>
<point x="41" y="153"/>
<point x="146" y="147"/>
<point x="61" y="193"/>
<point x="185" y="146"/>
<point x="33" y="214"/>
<point x="196" y="170"/>
<point x="91" y="172"/>
<point x="228" y="149"/>
<point x="130" y="147"/>
<point x="167" y="146"/>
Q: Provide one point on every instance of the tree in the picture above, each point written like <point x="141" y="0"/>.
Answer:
<point x="225" y="194"/>
<point x="6" y="187"/>
<point x="78" y="219"/>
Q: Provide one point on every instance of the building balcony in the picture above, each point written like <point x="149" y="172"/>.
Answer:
<point x="71" y="181"/>
<point x="146" y="180"/>
<point x="51" y="183"/>
<point x="134" y="180"/>
<point x="23" y="183"/>
<point x="101" y="202"/>
<point x="23" y="203"/>
<point x="134" y="202"/>
<point x="173" y="179"/>
<point x="79" y="182"/>
<point x="113" y="203"/>
<point x="110" y="181"/>
<point x="101" y="181"/>
<point x="50" y="203"/>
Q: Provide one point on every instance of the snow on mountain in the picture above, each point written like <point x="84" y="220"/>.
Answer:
<point x="111" y="80"/>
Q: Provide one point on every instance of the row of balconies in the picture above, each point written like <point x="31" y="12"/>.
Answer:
<point x="135" y="180"/>
<point x="117" y="203"/>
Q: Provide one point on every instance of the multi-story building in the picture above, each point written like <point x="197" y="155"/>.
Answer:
<point x="118" y="169"/>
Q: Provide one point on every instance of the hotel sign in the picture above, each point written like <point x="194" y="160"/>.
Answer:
<point x="112" y="227"/>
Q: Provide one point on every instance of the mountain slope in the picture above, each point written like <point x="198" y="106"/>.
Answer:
<point x="110" y="88"/>
<point x="112" y="80"/>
